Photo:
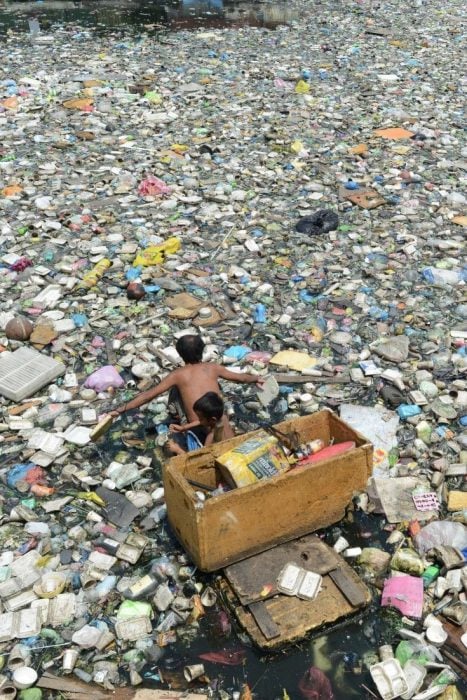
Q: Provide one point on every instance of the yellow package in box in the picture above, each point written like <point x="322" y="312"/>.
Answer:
<point x="259" y="457"/>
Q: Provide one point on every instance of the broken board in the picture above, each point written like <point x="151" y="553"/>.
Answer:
<point x="365" y="198"/>
<point x="273" y="619"/>
<point x="396" y="498"/>
<point x="249" y="578"/>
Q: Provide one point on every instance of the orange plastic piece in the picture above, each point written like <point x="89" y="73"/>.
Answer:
<point x="394" y="133"/>
<point x="358" y="150"/>
<point x="414" y="528"/>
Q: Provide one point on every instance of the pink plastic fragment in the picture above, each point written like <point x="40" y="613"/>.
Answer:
<point x="404" y="593"/>
<point x="152" y="187"/>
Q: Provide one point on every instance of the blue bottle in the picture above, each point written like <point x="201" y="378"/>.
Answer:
<point x="260" y="313"/>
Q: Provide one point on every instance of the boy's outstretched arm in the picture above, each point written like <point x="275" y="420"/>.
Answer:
<point x="149" y="395"/>
<point x="243" y="377"/>
<point x="183" y="427"/>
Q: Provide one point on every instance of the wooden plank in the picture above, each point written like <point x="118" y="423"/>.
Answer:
<point x="296" y="618"/>
<point x="348" y="587"/>
<point x="264" y="620"/>
<point x="71" y="685"/>
<point x="255" y="578"/>
<point x="284" y="378"/>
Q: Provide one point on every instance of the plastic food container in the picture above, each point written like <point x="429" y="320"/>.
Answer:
<point x="294" y="580"/>
<point x="24" y="677"/>
<point x="389" y="678"/>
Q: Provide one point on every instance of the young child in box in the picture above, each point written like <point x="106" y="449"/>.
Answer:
<point x="207" y="429"/>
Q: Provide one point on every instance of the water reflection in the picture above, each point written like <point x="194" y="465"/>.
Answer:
<point x="145" y="14"/>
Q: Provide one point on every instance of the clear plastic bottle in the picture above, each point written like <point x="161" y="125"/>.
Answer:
<point x="435" y="275"/>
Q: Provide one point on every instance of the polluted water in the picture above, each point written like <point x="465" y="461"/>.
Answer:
<point x="286" y="180"/>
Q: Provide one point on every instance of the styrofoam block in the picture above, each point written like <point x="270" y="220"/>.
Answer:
<point x="25" y="371"/>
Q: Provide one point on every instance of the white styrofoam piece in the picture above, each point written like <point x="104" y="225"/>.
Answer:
<point x="25" y="371"/>
<point x="77" y="434"/>
<point x="49" y="296"/>
<point x="50" y="443"/>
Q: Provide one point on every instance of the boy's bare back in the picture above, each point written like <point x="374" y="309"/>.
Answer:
<point x="193" y="381"/>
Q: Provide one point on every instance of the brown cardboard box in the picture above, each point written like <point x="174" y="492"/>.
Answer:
<point x="234" y="525"/>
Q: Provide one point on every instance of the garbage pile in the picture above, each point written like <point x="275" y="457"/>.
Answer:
<point x="298" y="198"/>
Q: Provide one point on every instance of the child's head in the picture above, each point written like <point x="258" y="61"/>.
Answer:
<point x="190" y="348"/>
<point x="209" y="409"/>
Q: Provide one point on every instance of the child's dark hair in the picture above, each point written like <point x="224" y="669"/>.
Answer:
<point x="210" y="405"/>
<point x="190" y="348"/>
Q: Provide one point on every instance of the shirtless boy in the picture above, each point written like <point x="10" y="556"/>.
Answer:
<point x="192" y="381"/>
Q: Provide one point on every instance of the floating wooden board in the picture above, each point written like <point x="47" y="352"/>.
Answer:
<point x="71" y="687"/>
<point x="348" y="587"/>
<point x="255" y="578"/>
<point x="264" y="620"/>
<point x="272" y="622"/>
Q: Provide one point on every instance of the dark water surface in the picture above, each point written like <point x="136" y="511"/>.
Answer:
<point x="137" y="15"/>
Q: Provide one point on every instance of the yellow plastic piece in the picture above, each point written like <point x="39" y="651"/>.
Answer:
<point x="91" y="496"/>
<point x="302" y="88"/>
<point x="92" y="277"/>
<point x="155" y="254"/>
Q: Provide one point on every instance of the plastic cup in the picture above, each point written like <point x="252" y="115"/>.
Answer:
<point x="193" y="672"/>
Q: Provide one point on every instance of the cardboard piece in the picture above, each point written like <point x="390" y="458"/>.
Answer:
<point x="364" y="198"/>
<point x="259" y="457"/>
<point x="119" y="510"/>
<point x="78" y="103"/>
<point x="183" y="301"/>
<point x="426" y="501"/>
<point x="394" y="133"/>
<point x="396" y="496"/>
<point x="299" y="361"/>
<point x="182" y="314"/>
<point x="213" y="319"/>
<point x="359" y="149"/>
<point x="457" y="500"/>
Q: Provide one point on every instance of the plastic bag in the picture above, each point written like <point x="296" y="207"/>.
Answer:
<point x="441" y="532"/>
<point x="24" y="472"/>
<point x="314" y="685"/>
<point x="322" y="221"/>
<point x="104" y="378"/>
<point x="408" y="561"/>
<point x="155" y="254"/>
<point x="153" y="186"/>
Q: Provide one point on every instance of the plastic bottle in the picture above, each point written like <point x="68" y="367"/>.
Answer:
<point x="434" y="275"/>
<point x="91" y="278"/>
<point x="260" y="313"/>
<point x="430" y="574"/>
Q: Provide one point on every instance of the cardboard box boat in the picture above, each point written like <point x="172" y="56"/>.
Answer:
<point x="237" y="524"/>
